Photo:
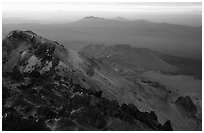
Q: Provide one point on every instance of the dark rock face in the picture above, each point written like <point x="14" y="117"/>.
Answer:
<point x="187" y="104"/>
<point x="91" y="116"/>
<point x="40" y="94"/>
<point x="167" y="126"/>
<point x="129" y="111"/>
<point x="77" y="101"/>
<point x="98" y="94"/>
<point x="61" y="124"/>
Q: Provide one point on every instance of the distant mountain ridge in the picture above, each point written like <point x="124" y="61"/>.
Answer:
<point x="121" y="19"/>
<point x="190" y="20"/>
<point x="162" y="37"/>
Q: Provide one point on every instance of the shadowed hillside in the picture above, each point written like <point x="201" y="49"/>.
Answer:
<point x="125" y="57"/>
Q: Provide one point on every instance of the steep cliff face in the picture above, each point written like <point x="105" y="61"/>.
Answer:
<point x="43" y="90"/>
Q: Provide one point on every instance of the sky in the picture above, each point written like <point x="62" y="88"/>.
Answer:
<point x="71" y="11"/>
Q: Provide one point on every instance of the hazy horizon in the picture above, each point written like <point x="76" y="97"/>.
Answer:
<point x="164" y="37"/>
<point x="189" y="13"/>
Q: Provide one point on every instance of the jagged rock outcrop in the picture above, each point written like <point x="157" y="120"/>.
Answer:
<point x="187" y="104"/>
<point x="42" y="91"/>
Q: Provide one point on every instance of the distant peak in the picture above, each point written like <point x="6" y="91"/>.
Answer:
<point x="120" y="19"/>
<point x="92" y="17"/>
<point x="142" y="21"/>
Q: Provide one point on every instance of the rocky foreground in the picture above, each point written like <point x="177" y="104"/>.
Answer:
<point x="42" y="90"/>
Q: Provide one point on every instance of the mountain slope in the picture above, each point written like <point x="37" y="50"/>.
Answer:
<point x="149" y="89"/>
<point x="47" y="87"/>
<point x="123" y="57"/>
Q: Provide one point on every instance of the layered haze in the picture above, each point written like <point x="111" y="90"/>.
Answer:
<point x="164" y="27"/>
<point x="173" y="39"/>
<point x="171" y="12"/>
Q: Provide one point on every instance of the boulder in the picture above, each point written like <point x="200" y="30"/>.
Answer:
<point x="61" y="124"/>
<point x="91" y="116"/>
<point x="98" y="94"/>
<point x="45" y="113"/>
<point x="167" y="126"/>
<point x="187" y="104"/>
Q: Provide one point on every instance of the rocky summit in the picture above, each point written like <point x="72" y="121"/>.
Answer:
<point x="43" y="90"/>
<point x="187" y="104"/>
